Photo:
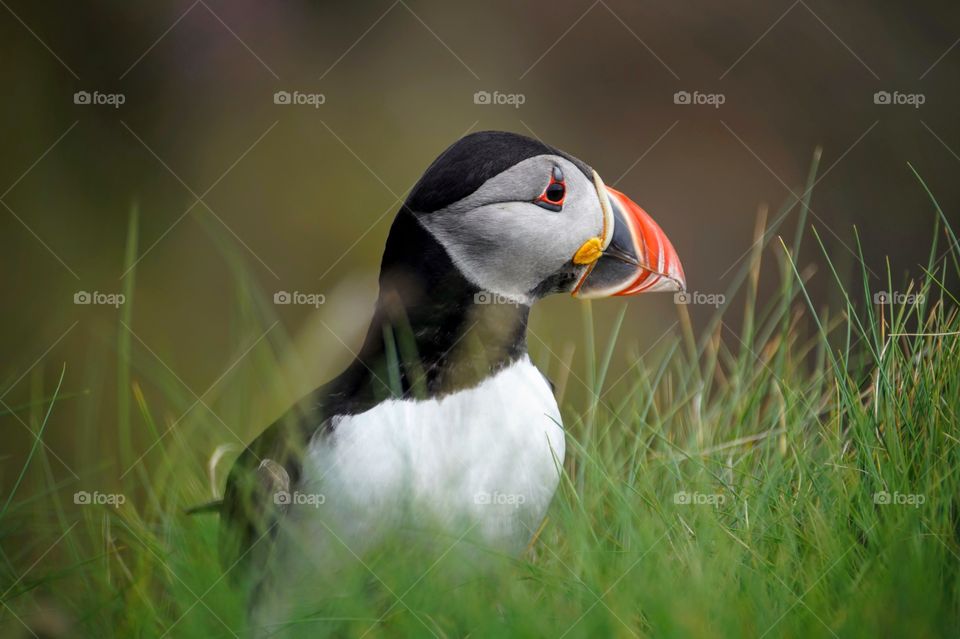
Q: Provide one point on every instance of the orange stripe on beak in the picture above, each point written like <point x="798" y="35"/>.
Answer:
<point x="636" y="256"/>
<point x="660" y="265"/>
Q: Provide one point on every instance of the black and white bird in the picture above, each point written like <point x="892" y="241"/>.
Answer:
<point x="442" y="416"/>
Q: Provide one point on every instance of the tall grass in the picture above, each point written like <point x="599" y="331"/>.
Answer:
<point x="797" y="476"/>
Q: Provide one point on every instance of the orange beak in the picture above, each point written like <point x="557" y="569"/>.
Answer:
<point x="633" y="255"/>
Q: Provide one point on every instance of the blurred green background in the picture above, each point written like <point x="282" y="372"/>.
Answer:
<point x="303" y="197"/>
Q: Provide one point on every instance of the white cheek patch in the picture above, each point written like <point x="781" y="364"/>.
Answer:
<point x="504" y="243"/>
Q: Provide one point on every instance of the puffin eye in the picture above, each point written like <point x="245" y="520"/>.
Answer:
<point x="555" y="192"/>
<point x="553" y="196"/>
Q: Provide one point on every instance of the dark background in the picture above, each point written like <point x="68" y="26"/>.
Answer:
<point x="305" y="196"/>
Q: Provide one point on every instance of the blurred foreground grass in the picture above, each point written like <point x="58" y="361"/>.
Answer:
<point x="795" y="477"/>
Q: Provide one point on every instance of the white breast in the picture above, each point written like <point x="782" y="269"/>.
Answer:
<point x="487" y="456"/>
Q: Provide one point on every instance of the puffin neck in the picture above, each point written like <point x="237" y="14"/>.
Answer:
<point x="433" y="333"/>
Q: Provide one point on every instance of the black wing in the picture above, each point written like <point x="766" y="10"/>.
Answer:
<point x="257" y="493"/>
<point x="260" y="482"/>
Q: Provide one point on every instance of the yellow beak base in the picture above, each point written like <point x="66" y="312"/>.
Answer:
<point x="589" y="252"/>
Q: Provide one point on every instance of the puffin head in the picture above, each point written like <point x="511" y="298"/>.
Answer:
<point x="522" y="220"/>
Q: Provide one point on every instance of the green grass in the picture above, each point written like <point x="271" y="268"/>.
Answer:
<point x="791" y="429"/>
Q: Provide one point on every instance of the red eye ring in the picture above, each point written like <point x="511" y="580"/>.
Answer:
<point x="555" y="193"/>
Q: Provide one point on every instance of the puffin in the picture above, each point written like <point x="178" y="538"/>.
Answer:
<point x="441" y="416"/>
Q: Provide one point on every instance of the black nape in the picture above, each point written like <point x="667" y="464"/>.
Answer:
<point x="433" y="332"/>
